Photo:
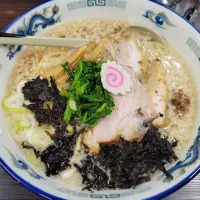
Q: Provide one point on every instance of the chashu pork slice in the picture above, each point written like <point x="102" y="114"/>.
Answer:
<point x="127" y="121"/>
<point x="147" y="68"/>
<point x="157" y="89"/>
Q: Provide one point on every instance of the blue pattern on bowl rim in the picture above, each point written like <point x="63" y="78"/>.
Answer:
<point x="22" y="165"/>
<point x="159" y="19"/>
<point x="32" y="26"/>
<point x="89" y="3"/>
<point x="191" y="156"/>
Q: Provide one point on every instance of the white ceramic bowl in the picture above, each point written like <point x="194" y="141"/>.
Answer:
<point x="149" y="14"/>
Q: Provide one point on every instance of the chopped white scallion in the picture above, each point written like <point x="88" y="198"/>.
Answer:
<point x="40" y="139"/>
<point x="68" y="173"/>
<point x="13" y="102"/>
<point x="72" y="105"/>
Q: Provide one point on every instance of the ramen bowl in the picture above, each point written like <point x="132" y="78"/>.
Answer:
<point x="169" y="25"/>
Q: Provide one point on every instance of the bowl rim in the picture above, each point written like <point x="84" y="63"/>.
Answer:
<point x="47" y="195"/>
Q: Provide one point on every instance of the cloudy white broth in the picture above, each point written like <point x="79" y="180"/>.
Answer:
<point x="106" y="115"/>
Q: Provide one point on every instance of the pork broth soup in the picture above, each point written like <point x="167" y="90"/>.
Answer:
<point x="107" y="115"/>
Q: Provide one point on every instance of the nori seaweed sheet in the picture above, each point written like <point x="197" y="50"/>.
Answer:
<point x="127" y="164"/>
<point x="57" y="157"/>
<point x="38" y="92"/>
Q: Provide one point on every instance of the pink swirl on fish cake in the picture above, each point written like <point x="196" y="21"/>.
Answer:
<point x="115" y="77"/>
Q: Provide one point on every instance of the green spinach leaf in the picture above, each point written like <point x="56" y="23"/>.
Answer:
<point x="92" y="100"/>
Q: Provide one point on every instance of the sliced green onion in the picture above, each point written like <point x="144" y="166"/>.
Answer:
<point x="23" y="124"/>
<point x="20" y="86"/>
<point x="48" y="104"/>
<point x="13" y="102"/>
<point x="68" y="173"/>
<point x="18" y="131"/>
<point x="34" y="160"/>
<point x="72" y="105"/>
<point x="40" y="139"/>
<point x="78" y="144"/>
<point x="70" y="129"/>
